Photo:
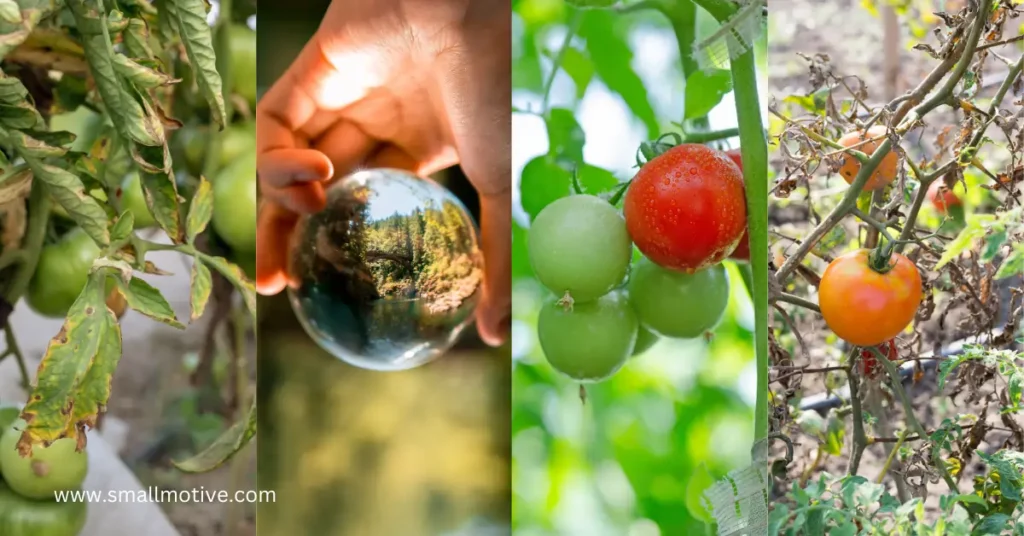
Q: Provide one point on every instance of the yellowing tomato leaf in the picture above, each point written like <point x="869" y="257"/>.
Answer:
<point x="200" y="212"/>
<point x="237" y="277"/>
<point x="73" y="382"/>
<point x="201" y="285"/>
<point x="161" y="195"/>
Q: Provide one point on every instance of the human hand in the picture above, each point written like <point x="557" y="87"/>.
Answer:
<point x="419" y="85"/>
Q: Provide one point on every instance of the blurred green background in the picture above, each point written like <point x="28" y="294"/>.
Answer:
<point x="634" y="459"/>
<point x="351" y="452"/>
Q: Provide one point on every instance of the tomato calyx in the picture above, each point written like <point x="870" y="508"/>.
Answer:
<point x="649" y="150"/>
<point x="566" y="302"/>
<point x="881" y="259"/>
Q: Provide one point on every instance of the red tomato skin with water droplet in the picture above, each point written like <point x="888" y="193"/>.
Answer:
<point x="686" y="208"/>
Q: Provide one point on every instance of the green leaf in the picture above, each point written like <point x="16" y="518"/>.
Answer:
<point x="1013" y="265"/>
<point x="543" y="181"/>
<point x="122" y="230"/>
<point x="964" y="241"/>
<point x="224" y="447"/>
<point x="237" y="277"/>
<point x="197" y="37"/>
<point x="161" y="195"/>
<point x="704" y="91"/>
<point x="201" y="211"/>
<point x="607" y="41"/>
<point x="565" y="136"/>
<point x="147" y="300"/>
<point x="201" y="285"/>
<point x="73" y="381"/>
<point x="136" y="39"/>
<point x="520" y="257"/>
<point x="592" y="4"/>
<point x="579" y="67"/>
<point x="595" y="180"/>
<point x="991" y="525"/>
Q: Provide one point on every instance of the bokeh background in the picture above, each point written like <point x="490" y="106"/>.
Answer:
<point x="351" y="452"/>
<point x="635" y="458"/>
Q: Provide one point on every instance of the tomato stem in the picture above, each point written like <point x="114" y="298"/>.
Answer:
<point x="880" y="259"/>
<point x="754" y="152"/>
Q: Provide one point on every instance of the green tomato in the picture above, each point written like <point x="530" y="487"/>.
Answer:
<point x="645" y="339"/>
<point x="61" y="274"/>
<point x="20" y="516"/>
<point x="84" y="123"/>
<point x="234" y="204"/>
<point x="133" y="199"/>
<point x="236" y="141"/>
<point x="243" y="62"/>
<point x="579" y="244"/>
<point x="8" y="414"/>
<point x="591" y="341"/>
<point x="677" y="304"/>
<point x="58" y="467"/>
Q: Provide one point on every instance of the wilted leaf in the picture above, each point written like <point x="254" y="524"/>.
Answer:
<point x="161" y="195"/>
<point x="122" y="230"/>
<point x="224" y="447"/>
<point x="69" y="192"/>
<point x="197" y="37"/>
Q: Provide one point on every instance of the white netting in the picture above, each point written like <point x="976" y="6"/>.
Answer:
<point x="739" y="502"/>
<point x="735" y="37"/>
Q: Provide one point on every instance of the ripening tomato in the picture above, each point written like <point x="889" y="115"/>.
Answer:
<point x="884" y="174"/>
<point x="869" y="362"/>
<point x="686" y="208"/>
<point x="943" y="198"/>
<point x="866" y="307"/>
<point x="742" y="251"/>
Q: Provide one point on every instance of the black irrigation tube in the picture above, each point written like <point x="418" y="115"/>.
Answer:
<point x="823" y="403"/>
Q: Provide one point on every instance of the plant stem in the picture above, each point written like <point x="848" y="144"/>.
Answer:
<point x="14" y="349"/>
<point x="710" y="135"/>
<point x="574" y="25"/>
<point x="797" y="300"/>
<point x="860" y="439"/>
<point x="892" y="456"/>
<point x="754" y="147"/>
<point x="39" y="205"/>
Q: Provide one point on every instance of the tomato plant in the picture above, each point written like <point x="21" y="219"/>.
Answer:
<point x="867" y="305"/>
<point x="686" y="208"/>
<point x="598" y="142"/>
<point x="98" y="94"/>
<point x="896" y="339"/>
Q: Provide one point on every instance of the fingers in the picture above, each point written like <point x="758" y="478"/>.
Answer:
<point x="493" y="315"/>
<point x="274" y="226"/>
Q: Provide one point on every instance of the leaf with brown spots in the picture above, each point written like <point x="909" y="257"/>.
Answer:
<point x="74" y="376"/>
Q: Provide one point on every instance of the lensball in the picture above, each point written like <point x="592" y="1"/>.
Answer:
<point x="386" y="276"/>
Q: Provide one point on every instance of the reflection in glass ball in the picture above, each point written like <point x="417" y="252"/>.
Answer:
<point x="387" y="275"/>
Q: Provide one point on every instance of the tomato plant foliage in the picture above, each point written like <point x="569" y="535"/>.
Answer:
<point x="135" y="67"/>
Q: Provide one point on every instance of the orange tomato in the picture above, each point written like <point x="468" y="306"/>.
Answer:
<point x="942" y="197"/>
<point x="883" y="175"/>
<point x="865" y="307"/>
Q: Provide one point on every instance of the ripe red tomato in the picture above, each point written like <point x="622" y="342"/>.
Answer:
<point x="866" y="307"/>
<point x="943" y="198"/>
<point x="886" y="171"/>
<point x="869" y="363"/>
<point x="742" y="251"/>
<point x="686" y="208"/>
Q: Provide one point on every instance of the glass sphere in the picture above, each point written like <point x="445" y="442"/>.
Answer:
<point x="386" y="276"/>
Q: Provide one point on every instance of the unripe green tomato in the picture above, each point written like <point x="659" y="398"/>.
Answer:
<point x="58" y="467"/>
<point x="133" y="199"/>
<point x="677" y="304"/>
<point x="243" y="62"/>
<point x="234" y="204"/>
<point x="591" y="341"/>
<point x="579" y="244"/>
<point x="20" y="516"/>
<point x="236" y="141"/>
<point x="61" y="274"/>
<point x="8" y="414"/>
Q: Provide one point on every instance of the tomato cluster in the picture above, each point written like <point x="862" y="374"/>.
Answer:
<point x="685" y="211"/>
<point x="29" y="484"/>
